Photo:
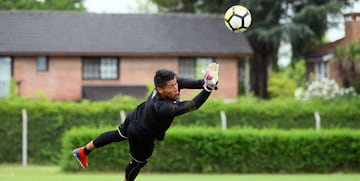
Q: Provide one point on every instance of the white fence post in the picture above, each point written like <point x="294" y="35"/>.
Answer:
<point x="317" y="120"/>
<point x="223" y="120"/>
<point x="24" y="137"/>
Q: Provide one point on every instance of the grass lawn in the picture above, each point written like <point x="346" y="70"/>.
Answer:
<point x="52" y="173"/>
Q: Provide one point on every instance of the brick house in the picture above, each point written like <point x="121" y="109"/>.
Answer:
<point x="321" y="60"/>
<point x="72" y="55"/>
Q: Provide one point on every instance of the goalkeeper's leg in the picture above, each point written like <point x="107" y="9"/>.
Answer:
<point x="81" y="154"/>
<point x="133" y="169"/>
<point x="141" y="148"/>
<point x="107" y="138"/>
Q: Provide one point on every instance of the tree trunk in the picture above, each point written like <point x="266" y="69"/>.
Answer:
<point x="259" y="75"/>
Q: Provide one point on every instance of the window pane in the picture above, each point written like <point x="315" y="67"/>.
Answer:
<point x="91" y="69"/>
<point x="192" y="67"/>
<point x="109" y="68"/>
<point x="325" y="69"/>
<point x="100" y="68"/>
<point x="187" y="67"/>
<point x="5" y="76"/>
<point x="42" y="63"/>
<point x="321" y="69"/>
<point x="201" y="64"/>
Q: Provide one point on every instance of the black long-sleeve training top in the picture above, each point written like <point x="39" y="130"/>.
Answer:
<point x="155" y="115"/>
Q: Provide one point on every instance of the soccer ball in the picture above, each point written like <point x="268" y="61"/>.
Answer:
<point x="237" y="18"/>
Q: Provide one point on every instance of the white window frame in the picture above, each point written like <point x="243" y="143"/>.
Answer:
<point x="322" y="69"/>
<point x="100" y="68"/>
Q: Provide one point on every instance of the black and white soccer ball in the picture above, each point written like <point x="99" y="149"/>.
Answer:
<point x="237" y="18"/>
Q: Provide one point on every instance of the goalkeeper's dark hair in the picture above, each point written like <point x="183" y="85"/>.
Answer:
<point x="162" y="76"/>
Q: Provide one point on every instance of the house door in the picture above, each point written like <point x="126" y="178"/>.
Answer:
<point x="5" y="76"/>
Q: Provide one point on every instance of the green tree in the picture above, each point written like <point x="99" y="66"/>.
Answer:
<point x="70" y="5"/>
<point x="280" y="85"/>
<point x="285" y="82"/>
<point x="302" y="23"/>
<point x="297" y="72"/>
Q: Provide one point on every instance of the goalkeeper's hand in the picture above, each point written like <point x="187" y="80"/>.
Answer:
<point x="211" y="77"/>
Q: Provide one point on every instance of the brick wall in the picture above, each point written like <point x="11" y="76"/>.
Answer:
<point x="63" y="80"/>
<point x="135" y="71"/>
<point x="228" y="84"/>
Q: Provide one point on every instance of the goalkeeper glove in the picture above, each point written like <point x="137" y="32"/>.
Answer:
<point x="211" y="77"/>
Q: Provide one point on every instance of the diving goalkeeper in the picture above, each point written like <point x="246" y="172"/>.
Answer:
<point x="150" y="120"/>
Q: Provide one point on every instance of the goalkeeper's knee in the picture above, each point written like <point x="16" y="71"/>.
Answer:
<point x="133" y="169"/>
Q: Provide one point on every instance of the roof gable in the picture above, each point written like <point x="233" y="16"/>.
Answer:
<point x="324" y="49"/>
<point x="124" y="34"/>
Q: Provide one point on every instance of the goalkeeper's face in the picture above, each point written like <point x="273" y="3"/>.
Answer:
<point x="170" y="90"/>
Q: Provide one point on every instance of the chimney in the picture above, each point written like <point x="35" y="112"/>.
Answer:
<point x="352" y="28"/>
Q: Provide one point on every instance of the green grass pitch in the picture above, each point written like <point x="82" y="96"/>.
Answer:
<point x="10" y="172"/>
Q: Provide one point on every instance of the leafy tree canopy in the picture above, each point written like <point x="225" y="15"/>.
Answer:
<point x="70" y="5"/>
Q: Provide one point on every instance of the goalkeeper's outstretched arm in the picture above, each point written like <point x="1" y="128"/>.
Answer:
<point x="209" y="83"/>
<point x="211" y="78"/>
<point x="190" y="83"/>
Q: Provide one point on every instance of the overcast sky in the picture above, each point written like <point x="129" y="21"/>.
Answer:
<point x="113" y="6"/>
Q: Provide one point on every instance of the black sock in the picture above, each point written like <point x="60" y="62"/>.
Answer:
<point x="86" y="151"/>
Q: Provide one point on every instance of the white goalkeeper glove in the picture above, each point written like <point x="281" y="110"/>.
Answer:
<point x="211" y="77"/>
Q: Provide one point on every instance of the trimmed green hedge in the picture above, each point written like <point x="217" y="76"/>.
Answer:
<point x="49" y="120"/>
<point x="210" y="150"/>
<point x="277" y="113"/>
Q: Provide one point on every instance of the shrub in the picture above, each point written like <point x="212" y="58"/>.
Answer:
<point x="209" y="150"/>
<point x="325" y="89"/>
<point x="47" y="121"/>
<point x="280" y="85"/>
